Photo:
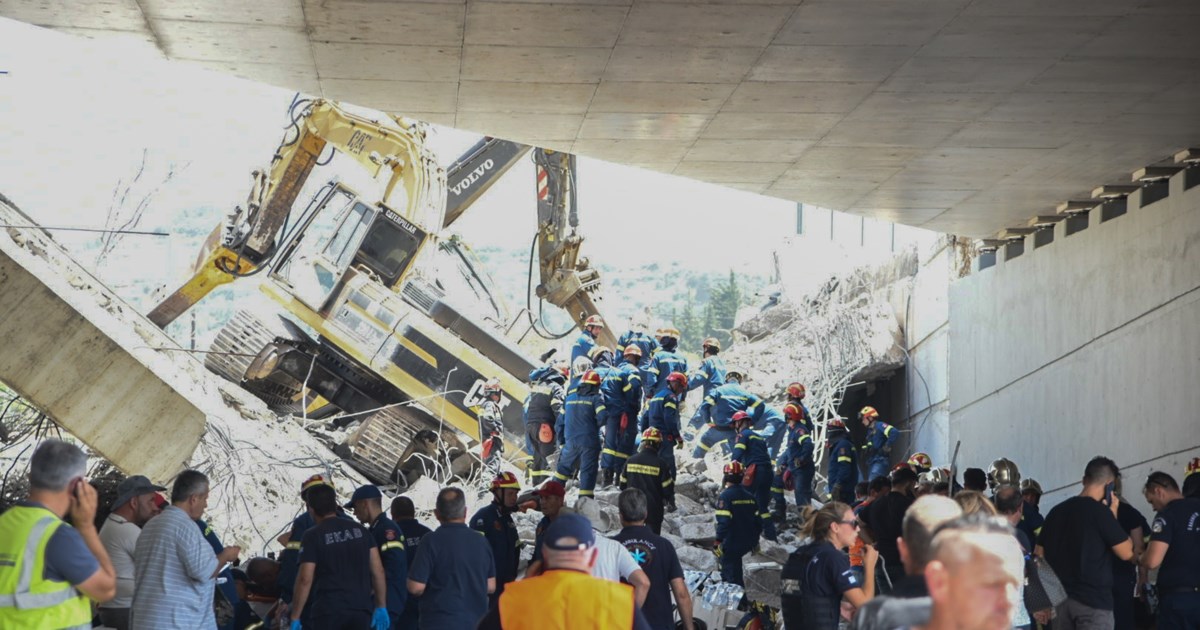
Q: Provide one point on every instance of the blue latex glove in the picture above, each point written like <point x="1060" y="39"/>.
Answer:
<point x="380" y="620"/>
<point x="296" y="624"/>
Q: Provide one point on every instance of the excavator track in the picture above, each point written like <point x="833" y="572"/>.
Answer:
<point x="235" y="347"/>
<point x="383" y="436"/>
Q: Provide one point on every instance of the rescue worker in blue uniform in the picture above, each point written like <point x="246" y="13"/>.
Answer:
<point x="491" y="426"/>
<point x="881" y="436"/>
<point x="795" y="393"/>
<point x="738" y="524"/>
<point x="289" y="559"/>
<point x="843" y="466"/>
<point x="621" y="392"/>
<point x="796" y="465"/>
<point x="228" y="588"/>
<point x="1031" y="517"/>
<point x="664" y="362"/>
<point x="663" y="414"/>
<point x="750" y="450"/>
<point x="718" y="409"/>
<point x="772" y="426"/>
<point x="542" y="409"/>
<point x="495" y="522"/>
<point x="711" y="373"/>
<point x="586" y="340"/>
<point x="645" y="472"/>
<point x="646" y="346"/>
<point x="584" y="406"/>
<point x="367" y="503"/>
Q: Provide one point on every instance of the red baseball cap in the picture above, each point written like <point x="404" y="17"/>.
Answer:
<point x="551" y="489"/>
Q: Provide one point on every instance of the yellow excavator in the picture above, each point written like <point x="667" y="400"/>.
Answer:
<point x="368" y="331"/>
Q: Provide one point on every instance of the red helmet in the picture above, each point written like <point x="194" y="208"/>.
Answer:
<point x="594" y="320"/>
<point x="836" y="423"/>
<point x="734" y="468"/>
<point x="1193" y="467"/>
<point x="652" y="435"/>
<point x="313" y="481"/>
<point x="505" y="480"/>
<point x="868" y="413"/>
<point x="740" y="416"/>
<point x="796" y="390"/>
<point x="677" y="378"/>
<point x="792" y="411"/>
<point x="920" y="461"/>
<point x="902" y="466"/>
<point x="632" y="350"/>
<point x="591" y="377"/>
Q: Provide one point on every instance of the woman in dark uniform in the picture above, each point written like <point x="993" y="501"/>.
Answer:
<point x="818" y="575"/>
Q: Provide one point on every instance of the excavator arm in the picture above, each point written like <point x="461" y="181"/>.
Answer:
<point x="249" y="238"/>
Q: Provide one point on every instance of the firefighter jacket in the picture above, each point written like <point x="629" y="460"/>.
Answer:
<point x="581" y="417"/>
<point x="719" y="406"/>
<point x="738" y="520"/>
<point x="750" y="448"/>
<point x="710" y="375"/>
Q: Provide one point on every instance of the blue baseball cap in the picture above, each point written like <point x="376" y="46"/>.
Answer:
<point x="570" y="532"/>
<point x="364" y="492"/>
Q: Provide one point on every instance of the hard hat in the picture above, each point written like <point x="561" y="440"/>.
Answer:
<point x="1192" y="468"/>
<point x="505" y="480"/>
<point x="734" y="468"/>
<point x="836" y="423"/>
<point x="1003" y="472"/>
<point x="581" y="365"/>
<point x="593" y="320"/>
<point x="792" y="411"/>
<point x="491" y="386"/>
<point x="900" y="466"/>
<point x="740" y="416"/>
<point x="677" y="378"/>
<point x="796" y="390"/>
<point x="868" y="413"/>
<point x="590" y="377"/>
<point x="596" y="351"/>
<point x="669" y="332"/>
<point x="920" y="461"/>
<point x="313" y="481"/>
<point x="735" y="372"/>
<point x="711" y="342"/>
<point x="652" y="434"/>
<point x="1031" y="485"/>
<point x="632" y="350"/>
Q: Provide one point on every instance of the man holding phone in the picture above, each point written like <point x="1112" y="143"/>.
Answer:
<point x="50" y="569"/>
<point x="1079" y="540"/>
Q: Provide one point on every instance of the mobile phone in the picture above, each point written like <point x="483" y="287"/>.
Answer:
<point x="1108" y="493"/>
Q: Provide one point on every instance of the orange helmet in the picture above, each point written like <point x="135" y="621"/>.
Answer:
<point x="652" y="434"/>
<point x="593" y="320"/>
<point x="920" y="461"/>
<point x="868" y="413"/>
<point x="677" y="378"/>
<point x="734" y="468"/>
<point x="591" y="377"/>
<point x="313" y="481"/>
<point x="1193" y="467"/>
<point x="796" y="390"/>
<point x="739" y="417"/>
<point x="505" y="480"/>
<point x="667" y="331"/>
<point x="711" y="342"/>
<point x="792" y="411"/>
<point x="632" y="350"/>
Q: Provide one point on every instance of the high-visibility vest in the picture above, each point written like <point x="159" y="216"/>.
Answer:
<point x="566" y="599"/>
<point x="27" y="599"/>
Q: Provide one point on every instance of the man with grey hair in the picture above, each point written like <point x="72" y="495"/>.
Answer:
<point x="454" y="570"/>
<point x="74" y="566"/>
<point x="658" y="559"/>
<point x="175" y="568"/>
<point x="909" y="602"/>
<point x="975" y="566"/>
<point x="566" y="595"/>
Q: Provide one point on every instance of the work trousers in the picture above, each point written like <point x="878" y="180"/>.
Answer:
<point x="876" y="468"/>
<point x="587" y="457"/>
<point x="539" y="453"/>
<point x="1179" y="611"/>
<point x="731" y="568"/>
<point x="618" y="442"/>
<point x="761" y="489"/>
<point x="802" y="479"/>
<point x="773" y="431"/>
<point x="666" y="455"/>
<point x="713" y="436"/>
<point x="1072" y="615"/>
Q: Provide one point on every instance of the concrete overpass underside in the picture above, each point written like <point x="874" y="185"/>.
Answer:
<point x="963" y="116"/>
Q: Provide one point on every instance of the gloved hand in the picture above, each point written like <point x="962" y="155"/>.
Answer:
<point x="295" y="624"/>
<point x="678" y="441"/>
<point x="380" y="620"/>
<point x="887" y="450"/>
<point x="788" y="482"/>
<point x="717" y="549"/>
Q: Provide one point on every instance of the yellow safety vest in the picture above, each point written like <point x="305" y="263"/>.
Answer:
<point x="27" y="599"/>
<point x="566" y="599"/>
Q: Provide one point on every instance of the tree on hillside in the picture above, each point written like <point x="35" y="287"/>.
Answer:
<point x="726" y="300"/>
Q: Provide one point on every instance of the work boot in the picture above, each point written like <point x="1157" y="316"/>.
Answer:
<point x="608" y="477"/>
<point x="670" y="506"/>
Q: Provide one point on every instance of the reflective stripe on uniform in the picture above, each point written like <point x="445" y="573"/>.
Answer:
<point x="745" y="502"/>
<point x="587" y="493"/>
<point x="740" y="445"/>
<point x="671" y="405"/>
<point x="22" y="599"/>
<point x="724" y="513"/>
<point x="776" y="490"/>
<point x="642" y="469"/>
<point x="668" y="482"/>
<point x="293" y="544"/>
<point x="609" y="451"/>
<point x="392" y="544"/>
<point x="561" y="476"/>
<point x="843" y="458"/>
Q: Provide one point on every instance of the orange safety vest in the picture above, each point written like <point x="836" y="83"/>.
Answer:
<point x="566" y="599"/>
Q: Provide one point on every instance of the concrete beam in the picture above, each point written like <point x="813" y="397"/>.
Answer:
<point x="1108" y="191"/>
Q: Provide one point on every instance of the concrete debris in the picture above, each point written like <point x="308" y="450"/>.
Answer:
<point x="696" y="558"/>
<point x="762" y="581"/>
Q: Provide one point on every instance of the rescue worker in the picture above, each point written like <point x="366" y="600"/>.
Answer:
<point x="1174" y="550"/>
<point x="584" y="406"/>
<point x="289" y="559"/>
<point x="738" y="524"/>
<point x="795" y="393"/>
<point x="663" y="414"/>
<point x="881" y="436"/>
<point x="796" y="466"/>
<point x="818" y="575"/>
<point x="495" y="522"/>
<point x="920" y="463"/>
<point x="645" y="471"/>
<point x="367" y="503"/>
<point x="491" y="426"/>
<point x="1031" y="517"/>
<point x="718" y="409"/>
<point x="621" y="392"/>
<point x="750" y="450"/>
<point x="711" y="373"/>
<point x="664" y="362"/>
<point x="586" y="340"/>
<point x="772" y="426"/>
<point x="542" y="409"/>
<point x="843" y="466"/>
<point x="646" y="345"/>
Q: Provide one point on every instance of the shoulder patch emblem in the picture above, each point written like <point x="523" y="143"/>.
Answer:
<point x="1158" y="525"/>
<point x="390" y="534"/>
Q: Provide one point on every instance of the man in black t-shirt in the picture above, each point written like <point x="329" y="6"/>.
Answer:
<point x="1175" y="551"/>
<point x="884" y="519"/>
<point x="404" y="513"/>
<point x="340" y="572"/>
<point x="1079" y="540"/>
<point x="657" y="558"/>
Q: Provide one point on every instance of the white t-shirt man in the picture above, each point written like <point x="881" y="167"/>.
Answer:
<point x="120" y="539"/>
<point x="613" y="562"/>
